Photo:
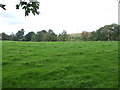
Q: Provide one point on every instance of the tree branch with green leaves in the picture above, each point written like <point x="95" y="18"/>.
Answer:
<point x="31" y="6"/>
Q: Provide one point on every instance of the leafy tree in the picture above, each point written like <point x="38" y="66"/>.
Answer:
<point x="63" y="36"/>
<point x="34" y="37"/>
<point x="44" y="36"/>
<point x="116" y="33"/>
<point x="84" y="35"/>
<point x="28" y="37"/>
<point x="41" y="35"/>
<point x="106" y="33"/>
<point x="31" y="6"/>
<point x="92" y="36"/>
<point x="20" y="34"/>
<point x="51" y="36"/>
<point x="59" y="38"/>
<point x="5" y="36"/>
<point x="13" y="37"/>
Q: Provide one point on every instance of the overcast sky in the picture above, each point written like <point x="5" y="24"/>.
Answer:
<point x="74" y="16"/>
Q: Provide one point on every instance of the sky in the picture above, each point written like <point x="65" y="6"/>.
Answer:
<point x="74" y="16"/>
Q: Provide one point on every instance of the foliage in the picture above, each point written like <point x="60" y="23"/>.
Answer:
<point x="92" y="64"/>
<point x="107" y="33"/>
<point x="5" y="36"/>
<point x="63" y="36"/>
<point x="31" y="6"/>
<point x="20" y="34"/>
<point x="13" y="37"/>
<point x="28" y="37"/>
<point x="45" y="36"/>
<point x="34" y="37"/>
<point x="84" y="35"/>
<point x="41" y="35"/>
<point x="51" y="36"/>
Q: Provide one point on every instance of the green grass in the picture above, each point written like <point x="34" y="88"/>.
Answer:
<point x="90" y="64"/>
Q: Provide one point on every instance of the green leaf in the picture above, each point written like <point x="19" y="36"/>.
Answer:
<point x="33" y="12"/>
<point x="29" y="5"/>
<point x="3" y="6"/>
<point x="17" y="6"/>
<point x="23" y="3"/>
<point x="26" y="13"/>
<point x="24" y="7"/>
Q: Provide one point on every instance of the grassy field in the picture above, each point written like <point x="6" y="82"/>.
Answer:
<point x="90" y="64"/>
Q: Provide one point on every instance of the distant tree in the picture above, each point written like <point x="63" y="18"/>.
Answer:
<point x="92" y="36"/>
<point x="20" y="34"/>
<point x="84" y="35"/>
<point x="106" y="33"/>
<point x="41" y="35"/>
<point x="13" y="37"/>
<point x="44" y="31"/>
<point x="51" y="36"/>
<point x="28" y="37"/>
<point x="116" y="33"/>
<point x="5" y="36"/>
<point x="59" y="38"/>
<point x="34" y="37"/>
<point x="63" y="36"/>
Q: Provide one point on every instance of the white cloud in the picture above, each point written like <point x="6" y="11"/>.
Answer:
<point x="71" y="15"/>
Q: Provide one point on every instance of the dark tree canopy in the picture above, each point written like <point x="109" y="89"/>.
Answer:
<point x="28" y="37"/>
<point x="5" y="36"/>
<point x="107" y="33"/>
<point x="20" y="33"/>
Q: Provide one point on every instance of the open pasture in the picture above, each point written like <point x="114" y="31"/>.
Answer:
<point x="84" y="64"/>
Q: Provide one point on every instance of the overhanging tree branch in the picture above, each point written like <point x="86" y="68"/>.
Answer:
<point x="31" y="6"/>
<point x="2" y="6"/>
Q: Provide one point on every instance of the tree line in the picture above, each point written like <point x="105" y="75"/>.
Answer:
<point x="106" y="33"/>
<point x="39" y="36"/>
